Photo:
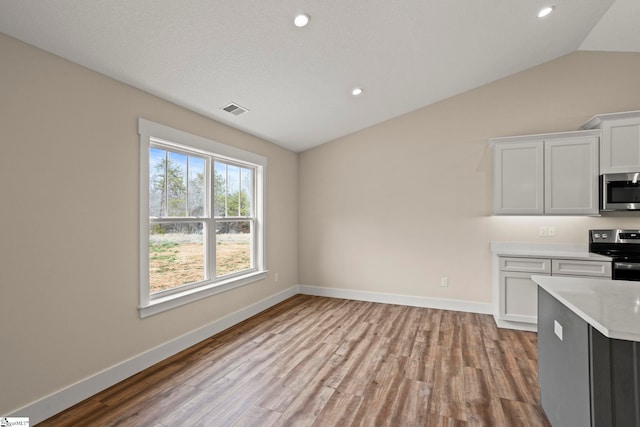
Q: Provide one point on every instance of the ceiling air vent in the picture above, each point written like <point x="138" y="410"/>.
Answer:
<point x="235" y="109"/>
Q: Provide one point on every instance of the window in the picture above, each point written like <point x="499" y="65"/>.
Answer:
<point x="201" y="219"/>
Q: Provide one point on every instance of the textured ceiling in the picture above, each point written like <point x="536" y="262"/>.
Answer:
<point x="296" y="82"/>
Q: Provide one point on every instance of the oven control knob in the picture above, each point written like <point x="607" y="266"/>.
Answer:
<point x="605" y="235"/>
<point x="596" y="235"/>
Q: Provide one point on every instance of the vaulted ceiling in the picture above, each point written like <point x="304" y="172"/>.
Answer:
<point x="295" y="82"/>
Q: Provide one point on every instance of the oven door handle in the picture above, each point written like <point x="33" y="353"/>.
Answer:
<point x="626" y="266"/>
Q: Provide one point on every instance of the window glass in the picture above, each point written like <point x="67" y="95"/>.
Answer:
<point x="233" y="246"/>
<point x="233" y="190"/>
<point x="157" y="161"/>
<point x="246" y="188"/>
<point x="176" y="255"/>
<point x="175" y="179"/>
<point x="197" y="188"/>
<point x="177" y="185"/>
<point x="220" y="189"/>
<point x="178" y="191"/>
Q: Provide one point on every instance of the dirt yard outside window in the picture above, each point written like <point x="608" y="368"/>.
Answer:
<point x="178" y="259"/>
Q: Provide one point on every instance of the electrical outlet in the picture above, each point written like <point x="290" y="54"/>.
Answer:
<point x="557" y="329"/>
<point x="551" y="231"/>
<point x="543" y="231"/>
<point x="444" y="282"/>
<point x="275" y="277"/>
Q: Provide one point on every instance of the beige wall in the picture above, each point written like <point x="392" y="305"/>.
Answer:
<point x="69" y="209"/>
<point x="396" y="206"/>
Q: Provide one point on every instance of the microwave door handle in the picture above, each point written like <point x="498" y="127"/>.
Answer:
<point x="603" y="193"/>
<point x="626" y="266"/>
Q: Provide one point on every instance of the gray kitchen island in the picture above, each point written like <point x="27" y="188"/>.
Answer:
<point x="589" y="351"/>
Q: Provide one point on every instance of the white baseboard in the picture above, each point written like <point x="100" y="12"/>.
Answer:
<point x="520" y="326"/>
<point x="63" y="399"/>
<point x="60" y="400"/>
<point x="413" y="301"/>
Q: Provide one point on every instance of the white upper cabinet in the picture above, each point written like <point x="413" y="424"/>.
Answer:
<point x="620" y="141"/>
<point x="550" y="174"/>
<point x="571" y="176"/>
<point x="518" y="178"/>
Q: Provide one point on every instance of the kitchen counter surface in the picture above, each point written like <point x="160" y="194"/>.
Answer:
<point x="610" y="306"/>
<point x="551" y="250"/>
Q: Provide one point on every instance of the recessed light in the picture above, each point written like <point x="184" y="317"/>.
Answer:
<point x="357" y="91"/>
<point x="545" y="11"/>
<point x="301" y="20"/>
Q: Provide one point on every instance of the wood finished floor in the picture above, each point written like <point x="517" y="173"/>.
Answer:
<point x="313" y="361"/>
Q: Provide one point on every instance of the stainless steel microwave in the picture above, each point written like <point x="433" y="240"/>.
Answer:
<point x="620" y="192"/>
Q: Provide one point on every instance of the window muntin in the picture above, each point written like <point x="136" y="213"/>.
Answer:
<point x="184" y="230"/>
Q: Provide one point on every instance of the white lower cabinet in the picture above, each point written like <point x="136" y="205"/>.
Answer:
<point x="519" y="301"/>
<point x="518" y="294"/>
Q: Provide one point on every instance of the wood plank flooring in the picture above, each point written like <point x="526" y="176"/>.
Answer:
<point x="313" y="361"/>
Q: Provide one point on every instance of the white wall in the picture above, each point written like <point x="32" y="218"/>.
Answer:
<point x="69" y="209"/>
<point x="395" y="207"/>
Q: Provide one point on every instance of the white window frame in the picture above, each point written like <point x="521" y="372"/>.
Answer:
<point x="149" y="132"/>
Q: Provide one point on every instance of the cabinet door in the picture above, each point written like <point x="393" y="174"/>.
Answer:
<point x="563" y="364"/>
<point x="620" y="151"/>
<point x="518" y="178"/>
<point x="571" y="176"/>
<point x="518" y="297"/>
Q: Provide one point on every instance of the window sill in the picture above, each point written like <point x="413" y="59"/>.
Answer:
<point x="181" y="298"/>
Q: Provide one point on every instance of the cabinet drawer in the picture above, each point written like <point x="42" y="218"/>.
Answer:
<point x="580" y="268"/>
<point x="529" y="265"/>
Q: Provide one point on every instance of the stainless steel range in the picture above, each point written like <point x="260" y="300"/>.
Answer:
<point x="623" y="246"/>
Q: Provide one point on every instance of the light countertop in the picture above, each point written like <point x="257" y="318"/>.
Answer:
<point x="610" y="306"/>
<point x="550" y="250"/>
